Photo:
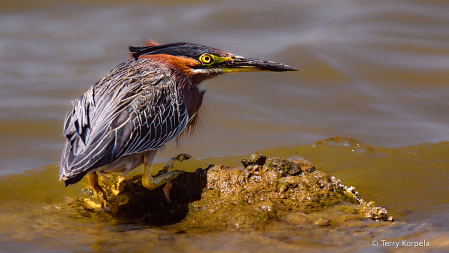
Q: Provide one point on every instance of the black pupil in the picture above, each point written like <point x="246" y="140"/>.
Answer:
<point x="207" y="59"/>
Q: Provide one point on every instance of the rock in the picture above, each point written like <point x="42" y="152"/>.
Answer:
<point x="129" y="199"/>
<point x="265" y="191"/>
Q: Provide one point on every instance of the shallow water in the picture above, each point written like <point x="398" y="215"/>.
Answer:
<point x="375" y="71"/>
<point x="39" y="214"/>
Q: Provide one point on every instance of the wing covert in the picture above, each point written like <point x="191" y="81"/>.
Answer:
<point x="134" y="108"/>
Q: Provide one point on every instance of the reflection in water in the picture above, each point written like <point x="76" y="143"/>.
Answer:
<point x="38" y="210"/>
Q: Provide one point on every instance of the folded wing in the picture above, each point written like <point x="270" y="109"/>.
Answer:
<point x="135" y="108"/>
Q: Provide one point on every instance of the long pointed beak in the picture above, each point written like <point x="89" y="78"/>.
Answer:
<point x="243" y="64"/>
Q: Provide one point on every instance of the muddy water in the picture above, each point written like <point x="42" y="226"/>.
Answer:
<point x="375" y="71"/>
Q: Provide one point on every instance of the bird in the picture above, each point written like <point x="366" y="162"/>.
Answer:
<point x="122" y="120"/>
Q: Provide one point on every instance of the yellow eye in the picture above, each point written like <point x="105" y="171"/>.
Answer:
<point x="206" y="59"/>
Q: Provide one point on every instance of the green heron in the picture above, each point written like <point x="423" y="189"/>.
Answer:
<point x="139" y="106"/>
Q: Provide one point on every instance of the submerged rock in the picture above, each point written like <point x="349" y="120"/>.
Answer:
<point x="266" y="190"/>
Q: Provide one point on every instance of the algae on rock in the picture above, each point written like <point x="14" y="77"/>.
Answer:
<point x="266" y="191"/>
<point x="270" y="189"/>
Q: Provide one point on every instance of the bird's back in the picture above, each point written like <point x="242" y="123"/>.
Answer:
<point x="134" y="108"/>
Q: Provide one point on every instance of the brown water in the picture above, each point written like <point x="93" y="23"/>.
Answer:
<point x="375" y="71"/>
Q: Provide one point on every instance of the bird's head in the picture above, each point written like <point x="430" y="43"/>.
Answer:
<point x="203" y="61"/>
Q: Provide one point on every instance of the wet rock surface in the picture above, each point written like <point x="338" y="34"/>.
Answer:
<point x="267" y="191"/>
<point x="128" y="198"/>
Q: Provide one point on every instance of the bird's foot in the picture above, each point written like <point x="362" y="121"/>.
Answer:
<point x="166" y="189"/>
<point x="152" y="183"/>
<point x="102" y="198"/>
<point x="99" y="193"/>
<point x="170" y="163"/>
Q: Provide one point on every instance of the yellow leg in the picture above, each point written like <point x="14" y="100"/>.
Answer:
<point x="152" y="183"/>
<point x="167" y="188"/>
<point x="172" y="161"/>
<point x="93" y="181"/>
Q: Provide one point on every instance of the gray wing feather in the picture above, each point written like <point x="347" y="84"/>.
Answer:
<point x="133" y="109"/>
